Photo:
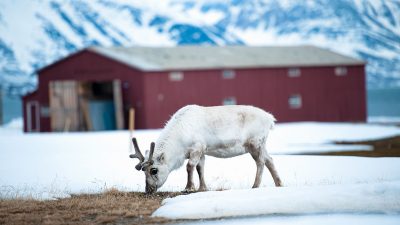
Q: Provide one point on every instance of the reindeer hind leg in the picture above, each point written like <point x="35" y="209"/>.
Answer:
<point x="269" y="163"/>
<point x="257" y="156"/>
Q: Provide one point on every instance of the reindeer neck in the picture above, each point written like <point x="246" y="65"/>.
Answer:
<point x="174" y="152"/>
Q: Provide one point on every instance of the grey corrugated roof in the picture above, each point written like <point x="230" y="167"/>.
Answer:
<point x="212" y="57"/>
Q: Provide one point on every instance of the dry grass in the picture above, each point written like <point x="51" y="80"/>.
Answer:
<point x="111" y="207"/>
<point x="388" y="147"/>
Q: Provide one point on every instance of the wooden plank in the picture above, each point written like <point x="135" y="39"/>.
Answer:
<point x="117" y="94"/>
<point x="86" y="115"/>
<point x="64" y="109"/>
<point x="55" y="106"/>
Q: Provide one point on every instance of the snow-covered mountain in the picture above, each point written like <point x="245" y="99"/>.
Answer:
<point x="35" y="33"/>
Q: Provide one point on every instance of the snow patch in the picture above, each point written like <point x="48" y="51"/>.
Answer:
<point x="362" y="198"/>
<point x="326" y="219"/>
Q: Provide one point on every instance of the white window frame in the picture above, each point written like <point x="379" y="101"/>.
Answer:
<point x="228" y="74"/>
<point x="294" y="72"/>
<point x="44" y="111"/>
<point x="176" y="76"/>
<point x="229" y="101"/>
<point x="341" y="71"/>
<point x="295" y="101"/>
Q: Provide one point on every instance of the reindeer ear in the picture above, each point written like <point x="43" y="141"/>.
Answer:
<point x="161" y="158"/>
<point x="139" y="166"/>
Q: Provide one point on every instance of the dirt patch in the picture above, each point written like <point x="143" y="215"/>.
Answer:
<point x="111" y="207"/>
<point x="388" y="147"/>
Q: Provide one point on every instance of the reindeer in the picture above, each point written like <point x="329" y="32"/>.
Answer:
<point x="219" y="131"/>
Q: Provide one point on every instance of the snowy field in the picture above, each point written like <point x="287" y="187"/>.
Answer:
<point x="46" y="166"/>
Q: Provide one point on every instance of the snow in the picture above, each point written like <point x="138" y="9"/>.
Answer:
<point x="51" y="165"/>
<point x="360" y="198"/>
<point x="309" y="137"/>
<point x="326" y="219"/>
<point x="384" y="119"/>
<point x="55" y="165"/>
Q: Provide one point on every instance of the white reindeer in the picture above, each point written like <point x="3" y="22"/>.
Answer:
<point x="219" y="131"/>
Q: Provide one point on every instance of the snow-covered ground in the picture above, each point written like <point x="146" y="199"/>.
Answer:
<point x="58" y="164"/>
<point x="313" y="219"/>
<point x="384" y="119"/>
<point x="377" y="197"/>
<point x="309" y="137"/>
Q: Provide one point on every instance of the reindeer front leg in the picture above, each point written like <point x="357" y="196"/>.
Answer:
<point x="190" y="185"/>
<point x="195" y="156"/>
<point x="200" y="171"/>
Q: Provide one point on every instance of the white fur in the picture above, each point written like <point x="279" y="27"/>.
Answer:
<point x="219" y="131"/>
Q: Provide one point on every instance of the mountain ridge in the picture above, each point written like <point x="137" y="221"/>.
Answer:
<point x="36" y="33"/>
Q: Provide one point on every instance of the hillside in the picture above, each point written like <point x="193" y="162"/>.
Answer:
<point x="35" y="33"/>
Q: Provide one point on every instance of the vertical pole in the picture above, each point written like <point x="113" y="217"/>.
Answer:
<point x="131" y="126"/>
<point x="118" y="105"/>
<point x="1" y="105"/>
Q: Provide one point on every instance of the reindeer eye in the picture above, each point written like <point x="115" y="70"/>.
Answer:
<point x="153" y="171"/>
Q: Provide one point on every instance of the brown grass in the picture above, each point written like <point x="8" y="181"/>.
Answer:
<point x="111" y="207"/>
<point x="388" y="147"/>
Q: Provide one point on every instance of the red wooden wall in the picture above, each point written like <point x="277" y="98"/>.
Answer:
<point x="325" y="96"/>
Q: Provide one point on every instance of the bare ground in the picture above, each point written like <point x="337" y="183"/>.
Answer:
<point x="115" y="207"/>
<point x="388" y="147"/>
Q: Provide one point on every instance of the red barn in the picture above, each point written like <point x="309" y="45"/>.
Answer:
<point x="94" y="89"/>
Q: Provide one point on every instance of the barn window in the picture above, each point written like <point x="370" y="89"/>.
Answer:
<point x="228" y="74"/>
<point x="294" y="72"/>
<point x="340" y="71"/>
<point x="229" y="101"/>
<point x="44" y="111"/>
<point x="160" y="97"/>
<point x="176" y="76"/>
<point x="295" y="101"/>
<point x="125" y="85"/>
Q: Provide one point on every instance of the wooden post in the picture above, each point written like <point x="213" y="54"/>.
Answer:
<point x="131" y="126"/>
<point x="86" y="115"/>
<point x="118" y="105"/>
<point x="131" y="119"/>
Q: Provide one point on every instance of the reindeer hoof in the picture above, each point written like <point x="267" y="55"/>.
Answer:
<point x="202" y="189"/>
<point x="188" y="190"/>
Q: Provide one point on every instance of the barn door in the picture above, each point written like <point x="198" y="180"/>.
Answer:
<point x="32" y="116"/>
<point x="64" y="106"/>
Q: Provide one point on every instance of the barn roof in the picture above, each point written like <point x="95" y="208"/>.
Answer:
<point x="212" y="57"/>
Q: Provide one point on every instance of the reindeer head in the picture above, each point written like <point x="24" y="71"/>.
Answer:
<point x="155" y="170"/>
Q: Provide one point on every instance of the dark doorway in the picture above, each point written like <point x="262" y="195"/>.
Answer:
<point x="86" y="106"/>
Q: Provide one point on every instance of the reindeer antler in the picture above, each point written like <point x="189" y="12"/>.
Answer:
<point x="150" y="160"/>
<point x="137" y="154"/>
